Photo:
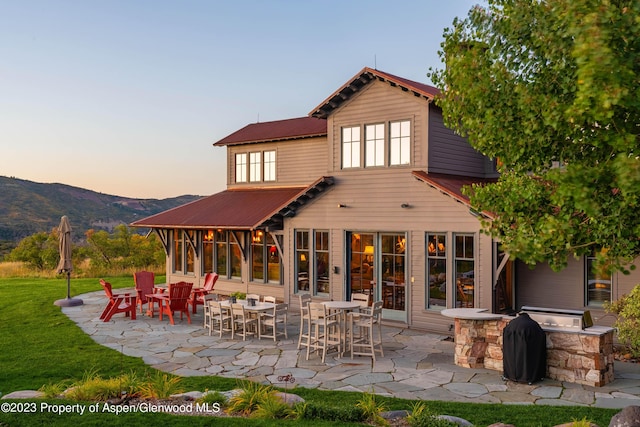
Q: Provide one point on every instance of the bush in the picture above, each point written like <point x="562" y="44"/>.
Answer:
<point x="628" y="323"/>
<point x="421" y="416"/>
<point x="160" y="386"/>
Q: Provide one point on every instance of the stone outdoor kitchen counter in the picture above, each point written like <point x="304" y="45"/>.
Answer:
<point x="583" y="357"/>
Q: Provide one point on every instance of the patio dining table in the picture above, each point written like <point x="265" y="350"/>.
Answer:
<point x="255" y="310"/>
<point x="343" y="307"/>
<point x="152" y="299"/>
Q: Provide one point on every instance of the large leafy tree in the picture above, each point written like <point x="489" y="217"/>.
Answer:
<point x="551" y="90"/>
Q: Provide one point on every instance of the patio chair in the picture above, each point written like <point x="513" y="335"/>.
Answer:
<point x="269" y="299"/>
<point x="324" y="329"/>
<point x="272" y="319"/>
<point x="144" y="281"/>
<point x="242" y="323"/>
<point x="198" y="294"/>
<point x="118" y="303"/>
<point x="365" y="344"/>
<point x="253" y="296"/>
<point x="305" y="299"/>
<point x="219" y="316"/>
<point x="178" y="300"/>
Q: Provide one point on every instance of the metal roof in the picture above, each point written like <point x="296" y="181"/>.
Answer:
<point x="302" y="127"/>
<point x="452" y="185"/>
<point x="238" y="209"/>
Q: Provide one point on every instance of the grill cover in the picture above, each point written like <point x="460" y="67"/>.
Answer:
<point x="524" y="350"/>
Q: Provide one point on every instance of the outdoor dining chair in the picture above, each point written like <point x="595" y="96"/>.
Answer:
<point x="242" y="323"/>
<point x="144" y="282"/>
<point x="217" y="316"/>
<point x="118" y="303"/>
<point x="324" y="329"/>
<point x="271" y="319"/>
<point x="365" y="344"/>
<point x="177" y="300"/>
<point x="269" y="299"/>
<point x="303" y="337"/>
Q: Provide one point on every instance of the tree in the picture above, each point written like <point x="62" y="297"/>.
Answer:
<point x="551" y="90"/>
<point x="39" y="250"/>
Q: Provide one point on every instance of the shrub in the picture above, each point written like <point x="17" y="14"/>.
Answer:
<point x="249" y="398"/>
<point x="371" y="409"/>
<point x="213" y="397"/>
<point x="93" y="387"/>
<point x="628" y="323"/>
<point x="271" y="407"/>
<point x="421" y="416"/>
<point x="160" y="386"/>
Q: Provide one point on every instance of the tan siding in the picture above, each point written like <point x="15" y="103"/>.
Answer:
<point x="381" y="103"/>
<point x="298" y="162"/>
<point x="546" y="288"/>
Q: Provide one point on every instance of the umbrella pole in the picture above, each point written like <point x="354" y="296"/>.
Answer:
<point x="68" y="285"/>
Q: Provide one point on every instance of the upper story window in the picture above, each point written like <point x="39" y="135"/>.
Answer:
<point x="374" y="145"/>
<point x="400" y="142"/>
<point x="598" y="283"/>
<point x="269" y="165"/>
<point x="351" y="147"/>
<point x="437" y="270"/>
<point x="241" y="167"/>
<point x="464" y="265"/>
<point x="255" y="167"/>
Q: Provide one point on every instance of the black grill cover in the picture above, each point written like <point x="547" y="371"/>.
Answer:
<point x="524" y="350"/>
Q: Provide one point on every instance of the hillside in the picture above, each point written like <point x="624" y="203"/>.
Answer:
<point x="28" y="207"/>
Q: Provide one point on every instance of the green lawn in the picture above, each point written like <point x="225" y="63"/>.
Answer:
<point x="40" y="345"/>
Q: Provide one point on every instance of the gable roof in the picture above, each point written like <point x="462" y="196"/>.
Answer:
<point x="452" y="185"/>
<point x="279" y="130"/>
<point x="363" y="78"/>
<point x="238" y="209"/>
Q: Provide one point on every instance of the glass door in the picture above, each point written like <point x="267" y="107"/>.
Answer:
<point x="361" y="263"/>
<point x="393" y="283"/>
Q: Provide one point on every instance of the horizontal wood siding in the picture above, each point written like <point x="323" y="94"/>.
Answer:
<point x="373" y="200"/>
<point x="450" y="153"/>
<point x="298" y="162"/>
<point x="543" y="287"/>
<point x="381" y="103"/>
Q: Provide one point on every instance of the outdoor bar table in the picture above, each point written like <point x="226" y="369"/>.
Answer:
<point x="152" y="299"/>
<point x="343" y="307"/>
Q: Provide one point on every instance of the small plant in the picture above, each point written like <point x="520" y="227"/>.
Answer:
<point x="160" y="386"/>
<point x="628" y="323"/>
<point x="53" y="390"/>
<point x="272" y="408"/>
<point x="239" y="295"/>
<point x="299" y="411"/>
<point x="371" y="409"/>
<point x="249" y="398"/>
<point x="581" y="423"/>
<point x="421" y="416"/>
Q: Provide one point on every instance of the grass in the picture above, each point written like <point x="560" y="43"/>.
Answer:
<point x="41" y="346"/>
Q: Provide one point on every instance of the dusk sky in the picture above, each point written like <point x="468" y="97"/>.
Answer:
<point x="127" y="97"/>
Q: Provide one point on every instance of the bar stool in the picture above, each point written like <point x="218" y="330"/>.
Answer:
<point x="305" y="299"/>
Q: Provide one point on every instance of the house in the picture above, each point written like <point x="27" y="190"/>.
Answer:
<point x="362" y="195"/>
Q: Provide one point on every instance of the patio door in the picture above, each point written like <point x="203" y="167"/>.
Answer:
<point x="376" y="266"/>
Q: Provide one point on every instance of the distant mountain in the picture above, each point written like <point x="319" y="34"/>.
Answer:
<point x="28" y="207"/>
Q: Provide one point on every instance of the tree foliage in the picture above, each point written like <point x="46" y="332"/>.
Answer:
<point x="551" y="90"/>
<point x="39" y="251"/>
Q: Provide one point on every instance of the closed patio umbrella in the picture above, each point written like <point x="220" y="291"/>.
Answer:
<point x="65" y="266"/>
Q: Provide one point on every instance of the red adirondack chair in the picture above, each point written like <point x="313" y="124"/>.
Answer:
<point x="177" y="300"/>
<point x="144" y="281"/>
<point x="197" y="295"/>
<point x="118" y="303"/>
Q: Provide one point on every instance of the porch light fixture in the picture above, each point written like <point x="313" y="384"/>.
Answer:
<point x="342" y="205"/>
<point x="405" y="205"/>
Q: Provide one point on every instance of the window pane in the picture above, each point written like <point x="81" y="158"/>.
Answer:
<point x="236" y="260"/>
<point x="374" y="145"/>
<point x="302" y="260"/>
<point x="400" y="143"/>
<point x="464" y="271"/>
<point x="273" y="261"/>
<point x="255" y="164"/>
<point x="207" y="251"/>
<point x="322" y="262"/>
<point x="351" y="147"/>
<point x="393" y="271"/>
<point x="437" y="265"/>
<point x="257" y="256"/>
<point x="177" y="251"/>
<point x="598" y="283"/>
<point x="221" y="253"/>
<point x="241" y="167"/>
<point x="269" y="165"/>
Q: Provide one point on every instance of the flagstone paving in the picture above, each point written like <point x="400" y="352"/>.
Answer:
<point x="416" y="365"/>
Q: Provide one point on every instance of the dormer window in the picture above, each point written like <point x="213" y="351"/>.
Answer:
<point x="241" y="167"/>
<point x="374" y="145"/>
<point x="255" y="166"/>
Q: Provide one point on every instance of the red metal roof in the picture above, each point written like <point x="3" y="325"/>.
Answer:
<point x="362" y="79"/>
<point x="302" y="127"/>
<point x="241" y="209"/>
<point x="452" y="184"/>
